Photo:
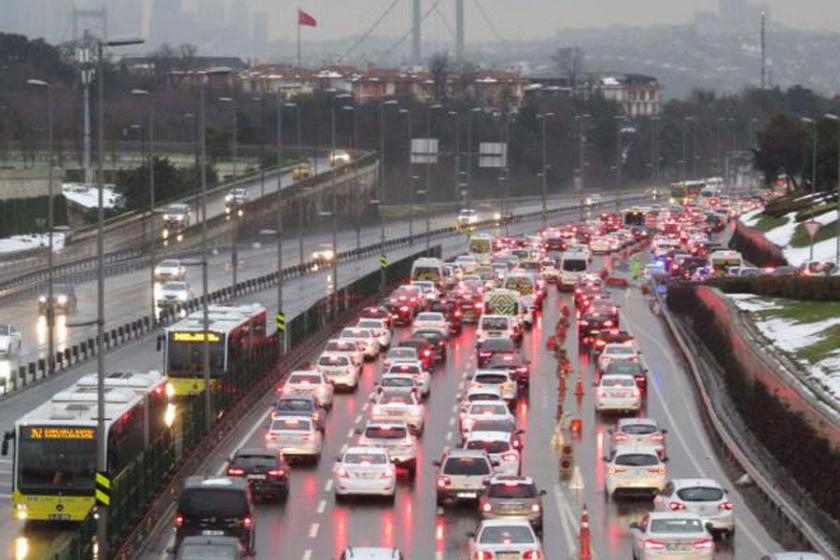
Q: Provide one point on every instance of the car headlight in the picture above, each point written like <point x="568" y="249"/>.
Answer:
<point x="42" y="299"/>
<point x="62" y="299"/>
<point x="497" y="216"/>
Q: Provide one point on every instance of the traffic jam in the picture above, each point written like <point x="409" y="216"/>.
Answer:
<point x="463" y="338"/>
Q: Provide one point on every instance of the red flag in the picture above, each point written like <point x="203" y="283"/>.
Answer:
<point x="306" y="19"/>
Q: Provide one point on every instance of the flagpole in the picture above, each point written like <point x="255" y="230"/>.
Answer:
<point x="298" y="36"/>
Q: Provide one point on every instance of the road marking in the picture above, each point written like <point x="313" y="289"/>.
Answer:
<point x="351" y="432"/>
<point x="247" y="436"/>
<point x="343" y="449"/>
<point x="322" y="505"/>
<point x="451" y="421"/>
<point x="448" y="437"/>
<point x="329" y="485"/>
<point x="313" y="530"/>
<point x="562" y="506"/>
<point x="365" y="408"/>
<point x="455" y="407"/>
<point x="461" y="385"/>
<point x="307" y="554"/>
<point x="358" y="419"/>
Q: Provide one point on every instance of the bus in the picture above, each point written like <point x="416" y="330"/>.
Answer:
<point x="231" y="330"/>
<point x="685" y="192"/>
<point x="481" y="245"/>
<point x="54" y="459"/>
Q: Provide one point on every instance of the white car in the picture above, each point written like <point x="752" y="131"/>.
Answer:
<point x="482" y="394"/>
<point x="399" y="406"/>
<point x="671" y="535"/>
<point x="549" y="271"/>
<point x="324" y="253"/>
<point x="340" y="157"/>
<point x="365" y="471"/>
<point x="639" y="431"/>
<point x="495" y="326"/>
<point x="405" y="383"/>
<point x="467" y="263"/>
<point x="635" y="469"/>
<point x="503" y="539"/>
<point x="294" y="436"/>
<point x="339" y="370"/>
<point x="10" y="341"/>
<point x="499" y="447"/>
<point x="347" y="347"/>
<point x="370" y="343"/>
<point x="483" y="410"/>
<point x="380" y="330"/>
<point x="170" y="269"/>
<point x="396" y="438"/>
<point x="427" y="289"/>
<point x="400" y="354"/>
<point x="600" y="245"/>
<point x="616" y="351"/>
<point x="502" y="380"/>
<point x="617" y="392"/>
<point x="703" y="497"/>
<point x="431" y="320"/>
<point x="174" y="293"/>
<point x="423" y="377"/>
<point x="462" y="475"/>
<point x="312" y="383"/>
<point x="466" y="217"/>
<point x="234" y="200"/>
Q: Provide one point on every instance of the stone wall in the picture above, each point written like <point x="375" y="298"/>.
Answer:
<point x="28" y="183"/>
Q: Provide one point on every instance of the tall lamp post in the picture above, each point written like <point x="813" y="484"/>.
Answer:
<point x="619" y="122"/>
<point x="41" y="84"/>
<point x="456" y="158"/>
<point x="835" y="118"/>
<point x="686" y="120"/>
<point x="282" y="338"/>
<point x="472" y="112"/>
<point x="101" y="437"/>
<point x="357" y="196"/>
<point x="813" y="124"/>
<point x="428" y="188"/>
<point x="582" y="150"/>
<point x="150" y="128"/>
<point x="377" y="202"/>
<point x="234" y="213"/>
<point x="544" y="174"/>
<point x="425" y="194"/>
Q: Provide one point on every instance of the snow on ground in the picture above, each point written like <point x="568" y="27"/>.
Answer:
<point x="88" y="195"/>
<point x="825" y="250"/>
<point x="751" y="302"/>
<point x="751" y="217"/>
<point x="781" y="235"/>
<point x="791" y="336"/>
<point x="32" y="241"/>
<point x="827" y="371"/>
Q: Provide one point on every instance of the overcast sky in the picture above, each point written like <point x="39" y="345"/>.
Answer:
<point x="521" y="18"/>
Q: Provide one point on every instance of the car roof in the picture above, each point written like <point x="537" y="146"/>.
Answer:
<point x="361" y="450"/>
<point x="505" y="523"/>
<point x="371" y="553"/>
<point x="216" y="482"/>
<point x="672" y="515"/>
<point x="637" y="421"/>
<point x="256" y="451"/>
<point x="459" y="453"/>
<point x="375" y="424"/>
<point x="635" y="449"/>
<point x="502" y="478"/>
<point x="693" y="482"/>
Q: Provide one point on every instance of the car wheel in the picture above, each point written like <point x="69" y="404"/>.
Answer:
<point x="440" y="500"/>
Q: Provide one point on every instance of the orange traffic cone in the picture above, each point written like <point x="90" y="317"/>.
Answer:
<point x="585" y="537"/>
<point x="576" y="425"/>
<point x="579" y="386"/>
<point x="551" y="343"/>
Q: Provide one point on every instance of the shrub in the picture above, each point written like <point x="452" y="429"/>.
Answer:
<point x="755" y="248"/>
<point x="21" y="215"/>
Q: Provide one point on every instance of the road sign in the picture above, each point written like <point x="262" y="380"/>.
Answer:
<point x="812" y="227"/>
<point x="492" y="154"/>
<point x="383" y="261"/>
<point x="424" y="150"/>
<point x="103" y="488"/>
<point x="281" y="322"/>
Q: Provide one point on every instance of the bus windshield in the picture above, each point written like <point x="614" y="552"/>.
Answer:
<point x="480" y="245"/>
<point x="522" y="284"/>
<point x="185" y="358"/>
<point x="65" y="464"/>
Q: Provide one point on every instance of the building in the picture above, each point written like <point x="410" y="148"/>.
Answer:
<point x="638" y="95"/>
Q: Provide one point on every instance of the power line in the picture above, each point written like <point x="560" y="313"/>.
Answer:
<point x="489" y="23"/>
<point x="370" y="30"/>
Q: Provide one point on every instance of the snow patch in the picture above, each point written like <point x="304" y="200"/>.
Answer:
<point x="88" y="195"/>
<point x="18" y="243"/>
<point x="791" y="336"/>
<point x="752" y="303"/>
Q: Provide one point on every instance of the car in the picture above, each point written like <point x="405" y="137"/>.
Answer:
<point x="512" y="539"/>
<point x="466" y="217"/>
<point x="371" y="553"/>
<point x="235" y="199"/>
<point x="399" y="406"/>
<point x="176" y="218"/>
<point x="63" y="299"/>
<point x="515" y="363"/>
<point x="380" y="328"/>
<point x="415" y="369"/>
<point x="610" y="336"/>
<point x="170" y="269"/>
<point x="503" y="455"/>
<point x="323" y="254"/>
<point x="671" y="535"/>
<point x="400" y="354"/>
<point x="495" y="326"/>
<point x="368" y="339"/>
<point x="506" y="424"/>
<point x="703" y="497"/>
<point x="629" y="367"/>
<point x="309" y="382"/>
<point x="339" y="370"/>
<point x="461" y="475"/>
<point x="394" y="437"/>
<point x="484" y="394"/>
<point x="512" y="497"/>
<point x="10" y="341"/>
<point x="616" y="352"/>
<point x="400" y="382"/>
<point x="451" y="310"/>
<point x="173" y="294"/>
<point x="550" y="273"/>
<point x="427" y="289"/>
<point x="302" y="171"/>
<point x="423" y="349"/>
<point x="431" y="320"/>
<point x="634" y="469"/>
<point x="817" y="268"/>
<point x="639" y="431"/>
<point x="295" y="437"/>
<point x="301" y="405"/>
<point x="482" y="409"/>
<point x="600" y="245"/>
<point x="202" y="548"/>
<point x="365" y="471"/>
<point x="340" y="157"/>
<point x="377" y="312"/>
<point x="502" y="380"/>
<point x="215" y="506"/>
<point x="489" y="347"/>
<point x="265" y="470"/>
<point x="437" y="342"/>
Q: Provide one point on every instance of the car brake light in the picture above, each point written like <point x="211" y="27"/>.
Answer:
<point x="427" y="353"/>
<point x="457" y="313"/>
<point x="674" y="506"/>
<point x="404" y="308"/>
<point x="443" y="482"/>
<point x="486" y="555"/>
<point x="486" y="507"/>
<point x="179" y="521"/>
<point x="614" y="470"/>
<point x="510" y="457"/>
<point x="343" y="473"/>
<point x="658" y="470"/>
<point x="726" y="506"/>
<point x="532" y="555"/>
<point x="387" y="473"/>
<point x="235" y="471"/>
<point x="621" y="437"/>
<point x="704" y="544"/>
<point x="277" y="472"/>
<point x="478" y="306"/>
<point x="608" y="323"/>
<point x="657" y="437"/>
<point x="653" y="544"/>
<point x="247" y="522"/>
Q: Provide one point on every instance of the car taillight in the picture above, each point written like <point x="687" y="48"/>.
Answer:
<point x="443" y="482"/>
<point x="478" y="306"/>
<point x="427" y="353"/>
<point x="726" y="506"/>
<point x="404" y="308"/>
<point x="270" y="437"/>
<point x="654" y="544"/>
<point x="608" y="323"/>
<point x="457" y="313"/>
<point x="342" y="473"/>
<point x="532" y="555"/>
<point x="235" y="471"/>
<point x="486" y="555"/>
<point x="387" y="473"/>
<point x="522" y="369"/>
<point x="621" y="437"/>
<point x="277" y="472"/>
<point x="658" y="470"/>
<point x="674" y="506"/>
<point x="179" y="521"/>
<point x="614" y="470"/>
<point x="247" y="522"/>
<point x="306" y="437"/>
<point x="486" y="507"/>
<point x="657" y="437"/>
<point x="510" y="457"/>
<point x="535" y="508"/>
<point x="704" y="544"/>
<point x="584" y="323"/>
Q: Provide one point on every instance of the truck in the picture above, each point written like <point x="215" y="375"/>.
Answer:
<point x="504" y="302"/>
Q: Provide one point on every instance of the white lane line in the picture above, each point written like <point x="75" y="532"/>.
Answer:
<point x="455" y="407"/>
<point x="350" y="432"/>
<point x="461" y="385"/>
<point x="564" y="522"/>
<point x="307" y="554"/>
<point x="448" y="437"/>
<point x="343" y="449"/>
<point x="358" y="419"/>
<point x="322" y="505"/>
<point x="313" y="530"/>
<point x="365" y="408"/>
<point x="451" y="421"/>
<point x="329" y="486"/>
<point x="245" y="438"/>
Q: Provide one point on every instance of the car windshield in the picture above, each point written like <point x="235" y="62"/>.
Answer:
<point x="636" y="460"/>
<point x="213" y="502"/>
<point x="365" y="458"/>
<point x="255" y="460"/>
<point x="466" y="466"/>
<point x="678" y="525"/>
<point x="488" y="408"/>
<point x="385" y="432"/>
<point x="491" y="378"/>
<point x="4" y="330"/>
<point x="370" y="324"/>
<point x="291" y="425"/>
<point x="498" y="345"/>
<point x="495" y="425"/>
<point x="169" y="264"/>
<point x="190" y="551"/>
<point x="616" y="381"/>
<point x="619" y="350"/>
<point x="394" y="353"/>
<point x="700" y="494"/>
<point x="506" y="535"/>
<point x="490" y="446"/>
<point x="175" y="286"/>
<point x="574" y="265"/>
<point x="396" y="398"/>
<point x="304" y="379"/>
<point x="512" y="490"/>
<point x="639" y="429"/>
<point x="295" y="404"/>
<point x="494" y="323"/>
<point x="333" y="361"/>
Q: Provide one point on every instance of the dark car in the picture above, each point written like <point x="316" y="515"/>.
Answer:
<point x="376" y="312"/>
<point x="63" y="298"/>
<point x="437" y="342"/>
<point x="470" y="302"/>
<point x="514" y="362"/>
<point x="610" y="336"/>
<point x="425" y="352"/>
<point x="487" y="348"/>
<point x="512" y="497"/>
<point x="555" y="244"/>
<point x="592" y="324"/>
<point x="301" y="405"/>
<point x="207" y="548"/>
<point x="216" y="506"/>
<point x="265" y="470"/>
<point x="629" y="367"/>
<point x="451" y="309"/>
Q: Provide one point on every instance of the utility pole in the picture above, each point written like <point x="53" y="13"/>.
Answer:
<point x="281" y="338"/>
<point x="459" y="32"/>
<point x="234" y="213"/>
<point x="415" y="32"/>
<point x="763" y="50"/>
<point x="544" y="185"/>
<point x="84" y="56"/>
<point x="150" y="128"/>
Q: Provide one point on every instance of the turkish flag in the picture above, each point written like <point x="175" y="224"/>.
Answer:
<point x="306" y="19"/>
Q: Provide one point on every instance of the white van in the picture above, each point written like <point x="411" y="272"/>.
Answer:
<point x="428" y="268"/>
<point x="526" y="285"/>
<point x="572" y="265"/>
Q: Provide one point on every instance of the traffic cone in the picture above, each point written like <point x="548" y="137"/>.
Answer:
<point x="576" y="425"/>
<point x="585" y="536"/>
<point x="551" y="343"/>
<point x="579" y="386"/>
<point x="562" y="386"/>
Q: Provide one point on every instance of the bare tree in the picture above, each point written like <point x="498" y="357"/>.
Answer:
<point x="439" y="69"/>
<point x="185" y="63"/>
<point x="466" y="80"/>
<point x="569" y="62"/>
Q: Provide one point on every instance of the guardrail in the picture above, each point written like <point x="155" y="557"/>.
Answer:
<point x="781" y="504"/>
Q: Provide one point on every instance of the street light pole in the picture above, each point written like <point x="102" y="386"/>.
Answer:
<point x="234" y="255"/>
<point x="836" y="118"/>
<point x="582" y="154"/>
<point x="282" y="338"/>
<point x="429" y="165"/>
<point x="456" y="158"/>
<point x="813" y="124"/>
<point x="544" y="186"/>
<point x="469" y="153"/>
<point x="619" y="120"/>
<point x="150" y="127"/>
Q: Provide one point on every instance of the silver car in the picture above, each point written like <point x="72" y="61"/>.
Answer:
<point x="506" y="539"/>
<point x="703" y="497"/>
<point x="634" y="469"/>
<point x="671" y="536"/>
<point x="462" y="475"/>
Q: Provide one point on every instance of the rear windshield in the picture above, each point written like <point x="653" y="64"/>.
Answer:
<point x="628" y="368"/>
<point x="466" y="466"/>
<point x="404" y="368"/>
<point x="397" y="382"/>
<point x="402" y="353"/>
<point x="513" y="490"/>
<point x="430" y="317"/>
<point x="397" y="398"/>
<point x="380" y="432"/>
<point x="498" y="344"/>
<point x="616" y="381"/>
<point x="207" y="552"/>
<point x="296" y="424"/>
<point x="500" y="425"/>
<point x="574" y="265"/>
<point x="213" y="502"/>
<point x="304" y="379"/>
<point x="333" y="361"/>
<point x="676" y="526"/>
<point x="637" y="460"/>
<point x="295" y="404"/>
<point x="370" y="324"/>
<point x="700" y="494"/>
<point x="481" y="408"/>
<point x="492" y="446"/>
<point x="494" y="324"/>
<point x="639" y="429"/>
<point x="508" y="534"/>
<point x="491" y="378"/>
<point x="250" y="461"/>
<point x="365" y="458"/>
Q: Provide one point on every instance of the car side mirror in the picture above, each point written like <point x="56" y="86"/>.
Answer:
<point x="665" y="459"/>
<point x="605" y="459"/>
<point x="664" y="430"/>
<point x="634" y="525"/>
<point x="543" y="492"/>
<point x="436" y="463"/>
<point x="358" y="431"/>
<point x="159" y="344"/>
<point x="710" y="528"/>
<point x="610" y="431"/>
<point x="520" y="431"/>
<point x="470" y="534"/>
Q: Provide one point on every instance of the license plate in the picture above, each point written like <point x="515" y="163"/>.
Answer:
<point x="508" y="556"/>
<point x="256" y="477"/>
<point x="394" y="413"/>
<point x="364" y="475"/>
<point x="679" y="547"/>
<point x="466" y="495"/>
<point x="59" y="516"/>
<point x="212" y="533"/>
